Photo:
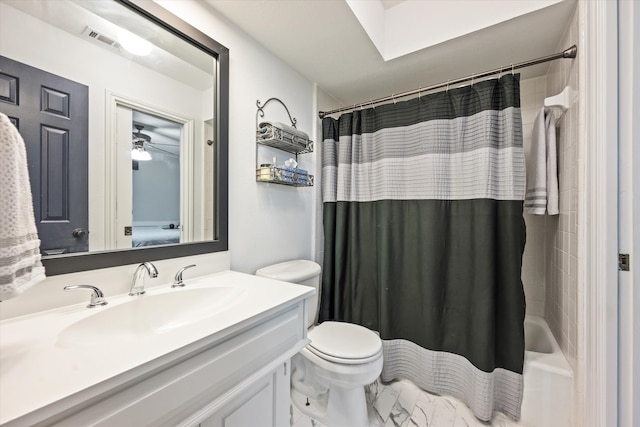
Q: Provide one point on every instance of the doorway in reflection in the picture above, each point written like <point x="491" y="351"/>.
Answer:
<point x="149" y="182"/>
<point x="155" y="155"/>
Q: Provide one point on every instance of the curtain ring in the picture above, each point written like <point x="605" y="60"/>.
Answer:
<point x="512" y="69"/>
<point x="473" y="77"/>
<point x="373" y="105"/>
<point x="447" y="90"/>
<point x="500" y="73"/>
<point x="393" y="96"/>
<point x="419" y="90"/>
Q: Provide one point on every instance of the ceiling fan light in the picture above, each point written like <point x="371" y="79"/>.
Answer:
<point x="140" y="154"/>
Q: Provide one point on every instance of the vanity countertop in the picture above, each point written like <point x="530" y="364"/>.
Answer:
<point x="38" y="370"/>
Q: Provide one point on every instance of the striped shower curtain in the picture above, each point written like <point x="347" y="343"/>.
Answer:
<point x="424" y="235"/>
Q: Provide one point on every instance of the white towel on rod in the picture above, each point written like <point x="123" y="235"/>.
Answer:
<point x="542" y="171"/>
<point x="20" y="265"/>
<point x="552" y="165"/>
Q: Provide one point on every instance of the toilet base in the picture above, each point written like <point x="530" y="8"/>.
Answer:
<point x="316" y="409"/>
<point x="344" y="408"/>
<point x="347" y="407"/>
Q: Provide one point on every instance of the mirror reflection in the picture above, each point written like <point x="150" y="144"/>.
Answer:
<point x="116" y="113"/>
<point x="155" y="155"/>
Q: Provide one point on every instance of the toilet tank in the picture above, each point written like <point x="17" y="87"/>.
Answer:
<point x="302" y="272"/>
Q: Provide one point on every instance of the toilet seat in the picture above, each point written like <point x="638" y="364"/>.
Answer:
<point x="344" y="343"/>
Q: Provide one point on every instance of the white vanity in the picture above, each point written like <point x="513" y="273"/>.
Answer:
<point x="211" y="354"/>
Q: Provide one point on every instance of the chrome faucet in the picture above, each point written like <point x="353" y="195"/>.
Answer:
<point x="177" y="281"/>
<point x="97" y="297"/>
<point x="137" y="285"/>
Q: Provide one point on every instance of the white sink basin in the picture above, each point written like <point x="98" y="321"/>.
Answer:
<point x="148" y="315"/>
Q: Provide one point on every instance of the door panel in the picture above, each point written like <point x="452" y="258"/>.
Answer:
<point x="51" y="114"/>
<point x="53" y="158"/>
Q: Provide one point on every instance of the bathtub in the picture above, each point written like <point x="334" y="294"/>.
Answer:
<point x="548" y="379"/>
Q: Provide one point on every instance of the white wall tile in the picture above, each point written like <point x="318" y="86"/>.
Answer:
<point x="532" y="93"/>
<point x="564" y="307"/>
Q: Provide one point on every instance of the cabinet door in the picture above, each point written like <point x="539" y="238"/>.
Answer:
<point x="282" y="397"/>
<point x="264" y="404"/>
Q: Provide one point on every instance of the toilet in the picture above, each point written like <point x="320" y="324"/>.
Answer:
<point x="328" y="375"/>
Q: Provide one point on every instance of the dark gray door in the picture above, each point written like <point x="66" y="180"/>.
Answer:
<point x="51" y="114"/>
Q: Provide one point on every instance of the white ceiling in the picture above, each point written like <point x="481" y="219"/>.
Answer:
<point x="325" y="42"/>
<point x="388" y="4"/>
<point x="413" y="25"/>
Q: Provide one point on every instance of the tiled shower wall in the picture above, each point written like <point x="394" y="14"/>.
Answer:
<point x="532" y="94"/>
<point x="552" y="255"/>
<point x="563" y="254"/>
<point x="553" y="261"/>
<point x="564" y="298"/>
<point x="564" y="301"/>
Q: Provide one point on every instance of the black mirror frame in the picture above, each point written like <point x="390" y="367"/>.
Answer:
<point x="63" y="264"/>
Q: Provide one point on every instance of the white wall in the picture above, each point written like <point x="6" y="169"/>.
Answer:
<point x="268" y="223"/>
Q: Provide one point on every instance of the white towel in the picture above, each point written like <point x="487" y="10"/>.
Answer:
<point x="552" y="165"/>
<point x="20" y="265"/>
<point x="542" y="171"/>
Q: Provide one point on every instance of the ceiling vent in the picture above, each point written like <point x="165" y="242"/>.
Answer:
<point x="93" y="34"/>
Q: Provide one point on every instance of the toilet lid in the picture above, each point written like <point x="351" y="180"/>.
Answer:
<point x="344" y="341"/>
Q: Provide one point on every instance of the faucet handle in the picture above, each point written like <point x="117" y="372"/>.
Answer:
<point x="177" y="281"/>
<point x="97" y="297"/>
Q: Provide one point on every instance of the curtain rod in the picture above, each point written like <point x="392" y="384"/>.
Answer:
<point x="567" y="53"/>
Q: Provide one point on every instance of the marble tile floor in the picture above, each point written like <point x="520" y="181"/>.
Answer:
<point x="402" y="404"/>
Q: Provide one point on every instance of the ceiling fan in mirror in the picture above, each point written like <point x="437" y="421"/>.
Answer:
<point x="141" y="141"/>
<point x="138" y="152"/>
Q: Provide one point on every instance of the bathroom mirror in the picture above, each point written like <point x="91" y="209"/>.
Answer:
<point x="141" y="174"/>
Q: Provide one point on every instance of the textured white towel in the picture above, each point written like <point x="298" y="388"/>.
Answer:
<point x="20" y="265"/>
<point x="552" y="164"/>
<point x="542" y="173"/>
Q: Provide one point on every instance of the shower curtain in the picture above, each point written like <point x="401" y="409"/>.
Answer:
<point x="424" y="235"/>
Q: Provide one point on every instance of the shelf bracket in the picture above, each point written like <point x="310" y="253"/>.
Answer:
<point x="261" y="111"/>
